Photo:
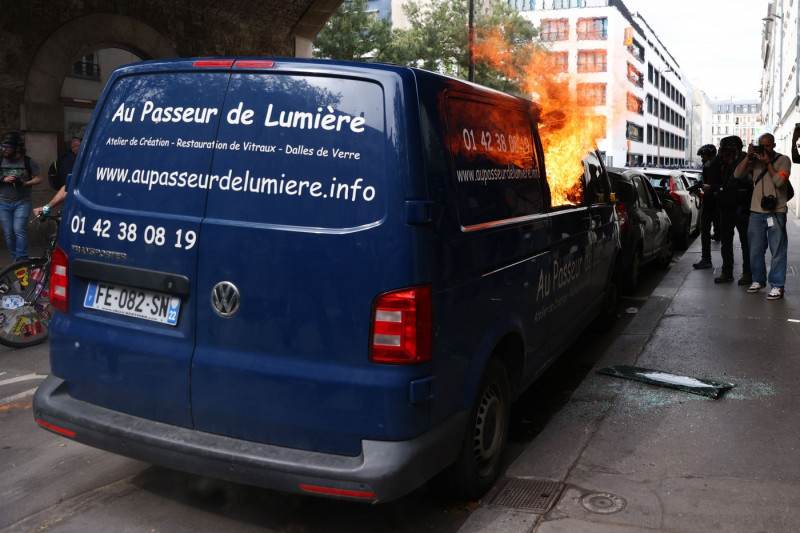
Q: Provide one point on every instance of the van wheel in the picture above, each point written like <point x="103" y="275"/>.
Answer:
<point x="477" y="466"/>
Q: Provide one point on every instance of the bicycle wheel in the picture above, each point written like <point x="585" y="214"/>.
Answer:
<point x="25" y="309"/>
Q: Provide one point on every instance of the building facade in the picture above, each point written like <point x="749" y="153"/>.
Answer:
<point x="615" y="54"/>
<point x="736" y="117"/>
<point x="780" y="83"/>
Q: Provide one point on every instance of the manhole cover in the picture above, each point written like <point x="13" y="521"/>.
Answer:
<point x="603" y="503"/>
<point x="534" y="495"/>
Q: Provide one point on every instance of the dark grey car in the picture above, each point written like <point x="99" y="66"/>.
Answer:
<point x="645" y="227"/>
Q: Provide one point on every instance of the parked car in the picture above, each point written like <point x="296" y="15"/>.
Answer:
<point x="645" y="227"/>
<point x="695" y="178"/>
<point x="685" y="212"/>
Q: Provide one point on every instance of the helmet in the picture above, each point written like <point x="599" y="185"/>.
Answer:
<point x="707" y="149"/>
<point x="14" y="138"/>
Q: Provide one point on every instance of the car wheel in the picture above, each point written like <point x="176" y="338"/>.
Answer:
<point x="683" y="234"/>
<point x="631" y="276"/>
<point x="608" y="313"/>
<point x="477" y="466"/>
<point x="667" y="253"/>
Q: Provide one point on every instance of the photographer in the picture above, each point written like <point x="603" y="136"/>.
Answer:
<point x="733" y="200"/>
<point x="19" y="174"/>
<point x="769" y="172"/>
<point x="712" y="181"/>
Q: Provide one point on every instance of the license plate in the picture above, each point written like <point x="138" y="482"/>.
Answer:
<point x="136" y="303"/>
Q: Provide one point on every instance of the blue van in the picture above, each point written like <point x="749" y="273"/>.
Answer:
<point x="318" y="277"/>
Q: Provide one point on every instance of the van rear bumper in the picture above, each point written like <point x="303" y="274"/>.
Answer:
<point x="383" y="471"/>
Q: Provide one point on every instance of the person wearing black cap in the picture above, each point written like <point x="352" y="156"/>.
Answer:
<point x="734" y="210"/>
<point x="19" y="174"/>
<point x="712" y="181"/>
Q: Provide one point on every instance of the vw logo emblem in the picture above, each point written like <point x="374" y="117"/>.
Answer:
<point x="225" y="299"/>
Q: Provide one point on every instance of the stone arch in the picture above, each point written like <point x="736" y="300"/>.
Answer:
<point x="42" y="111"/>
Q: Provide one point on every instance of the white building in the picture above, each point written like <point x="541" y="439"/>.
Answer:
<point x="736" y="117"/>
<point x="780" y="79"/>
<point x="638" y="84"/>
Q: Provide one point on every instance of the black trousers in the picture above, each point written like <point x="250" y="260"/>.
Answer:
<point x="708" y="216"/>
<point x="730" y="219"/>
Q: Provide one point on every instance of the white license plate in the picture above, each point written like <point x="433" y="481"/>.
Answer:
<point x="129" y="301"/>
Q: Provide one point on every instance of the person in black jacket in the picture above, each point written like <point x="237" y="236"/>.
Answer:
<point x="733" y="200"/>
<point x="712" y="181"/>
<point x="65" y="163"/>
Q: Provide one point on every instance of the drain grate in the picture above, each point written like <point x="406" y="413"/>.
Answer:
<point x="534" y="495"/>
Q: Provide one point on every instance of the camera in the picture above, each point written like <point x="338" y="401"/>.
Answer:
<point x="769" y="203"/>
<point x="757" y="149"/>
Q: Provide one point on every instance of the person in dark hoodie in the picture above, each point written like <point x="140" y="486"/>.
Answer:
<point x="712" y="180"/>
<point x="733" y="200"/>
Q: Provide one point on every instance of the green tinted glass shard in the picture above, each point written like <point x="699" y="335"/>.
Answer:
<point x="704" y="387"/>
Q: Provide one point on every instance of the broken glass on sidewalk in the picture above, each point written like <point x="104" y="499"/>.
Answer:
<point x="703" y="387"/>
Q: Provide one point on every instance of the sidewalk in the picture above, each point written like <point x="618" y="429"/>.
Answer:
<point x="634" y="457"/>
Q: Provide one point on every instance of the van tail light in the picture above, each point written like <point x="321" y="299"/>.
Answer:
<point x="675" y="197"/>
<point x="622" y="214"/>
<point x="59" y="280"/>
<point x="401" y="331"/>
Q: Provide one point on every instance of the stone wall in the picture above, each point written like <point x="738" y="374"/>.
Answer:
<point x="41" y="40"/>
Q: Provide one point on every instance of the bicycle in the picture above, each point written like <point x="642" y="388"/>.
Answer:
<point x="25" y="310"/>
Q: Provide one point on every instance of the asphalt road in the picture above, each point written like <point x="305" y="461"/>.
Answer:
<point x="50" y="483"/>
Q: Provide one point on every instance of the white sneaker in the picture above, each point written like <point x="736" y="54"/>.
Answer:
<point x="776" y="293"/>
<point x="756" y="286"/>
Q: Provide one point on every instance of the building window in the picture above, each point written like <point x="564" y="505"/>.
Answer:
<point x="634" y="104"/>
<point x="87" y="67"/>
<point x="593" y="29"/>
<point x="555" y="30"/>
<point x="592" y="93"/>
<point x="635" y="76"/>
<point x="566" y="4"/>
<point x="637" y="50"/>
<point x="634" y="132"/>
<point x="591" y="61"/>
<point x="560" y="61"/>
<point x="523" y="5"/>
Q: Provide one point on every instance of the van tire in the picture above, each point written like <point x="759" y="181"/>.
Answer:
<point x="478" y="464"/>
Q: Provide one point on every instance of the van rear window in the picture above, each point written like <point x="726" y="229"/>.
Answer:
<point x="497" y="176"/>
<point x="304" y="151"/>
<point x="310" y="150"/>
<point x="135" y="159"/>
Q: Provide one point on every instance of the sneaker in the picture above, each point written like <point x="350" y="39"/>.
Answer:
<point x="775" y="293"/>
<point x="756" y="286"/>
<point x="703" y="263"/>
<point x="723" y="278"/>
<point x="745" y="280"/>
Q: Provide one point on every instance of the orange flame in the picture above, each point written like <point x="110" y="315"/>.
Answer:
<point x="569" y="128"/>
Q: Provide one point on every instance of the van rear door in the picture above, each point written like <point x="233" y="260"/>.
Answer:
<point x="131" y="231"/>
<point x="295" y="226"/>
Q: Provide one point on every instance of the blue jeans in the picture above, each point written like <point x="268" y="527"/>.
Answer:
<point x="761" y="234"/>
<point x="14" y="218"/>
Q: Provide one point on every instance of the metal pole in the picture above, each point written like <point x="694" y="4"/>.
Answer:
<point x="471" y="40"/>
